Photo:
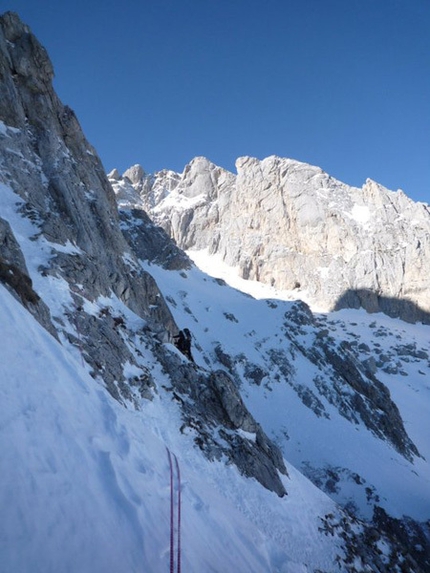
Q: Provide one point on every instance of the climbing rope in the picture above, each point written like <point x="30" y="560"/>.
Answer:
<point x="175" y="525"/>
<point x="179" y="515"/>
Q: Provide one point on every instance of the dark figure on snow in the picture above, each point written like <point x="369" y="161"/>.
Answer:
<point x="183" y="343"/>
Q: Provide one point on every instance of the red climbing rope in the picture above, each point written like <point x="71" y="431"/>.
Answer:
<point x="179" y="516"/>
<point x="172" y="514"/>
<point x="172" y="532"/>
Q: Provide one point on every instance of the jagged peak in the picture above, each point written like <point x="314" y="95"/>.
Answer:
<point x="28" y="57"/>
<point x="135" y="173"/>
<point x="378" y="194"/>
<point x="114" y="174"/>
<point x="201" y="164"/>
<point x="13" y="25"/>
<point x="201" y="160"/>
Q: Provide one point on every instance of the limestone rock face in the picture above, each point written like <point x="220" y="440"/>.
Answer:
<point x="50" y="165"/>
<point x="291" y="225"/>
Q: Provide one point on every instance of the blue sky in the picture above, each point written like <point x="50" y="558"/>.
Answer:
<point x="342" y="84"/>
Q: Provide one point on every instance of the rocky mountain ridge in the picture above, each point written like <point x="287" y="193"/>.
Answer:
<point x="293" y="226"/>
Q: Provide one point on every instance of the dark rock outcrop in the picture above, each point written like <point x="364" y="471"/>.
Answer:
<point x="213" y="408"/>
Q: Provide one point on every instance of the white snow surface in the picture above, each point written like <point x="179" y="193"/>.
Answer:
<point x="361" y="213"/>
<point x="85" y="482"/>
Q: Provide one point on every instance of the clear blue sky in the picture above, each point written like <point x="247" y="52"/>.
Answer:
<point x="342" y="84"/>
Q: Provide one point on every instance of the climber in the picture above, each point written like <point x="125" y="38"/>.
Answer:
<point x="183" y="343"/>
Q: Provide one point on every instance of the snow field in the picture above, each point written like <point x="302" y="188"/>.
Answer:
<point x="85" y="483"/>
<point x="254" y="326"/>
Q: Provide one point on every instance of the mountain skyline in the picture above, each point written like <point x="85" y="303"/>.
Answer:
<point x="345" y="88"/>
<point x="292" y="226"/>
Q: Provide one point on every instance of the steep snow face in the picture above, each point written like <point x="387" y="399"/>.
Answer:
<point x="284" y="361"/>
<point x="87" y="481"/>
<point x="290" y="225"/>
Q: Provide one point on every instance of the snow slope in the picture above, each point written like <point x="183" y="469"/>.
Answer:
<point x="85" y="482"/>
<point x="357" y="468"/>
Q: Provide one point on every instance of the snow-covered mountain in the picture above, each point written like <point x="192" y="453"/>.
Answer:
<point x="301" y="437"/>
<point x="290" y="225"/>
